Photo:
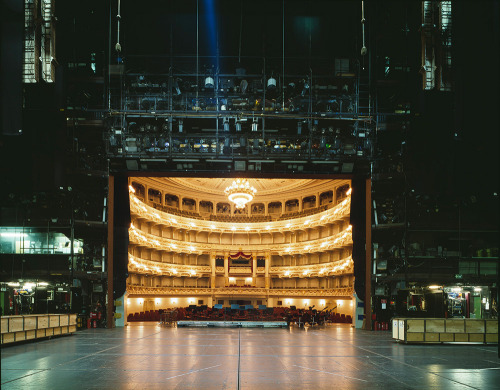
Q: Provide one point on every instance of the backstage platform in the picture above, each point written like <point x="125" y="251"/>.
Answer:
<point x="143" y="356"/>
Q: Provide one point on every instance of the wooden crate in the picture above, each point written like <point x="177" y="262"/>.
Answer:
<point x="20" y="336"/>
<point x="30" y="322"/>
<point x="445" y="337"/>
<point x="415" y="326"/>
<point x="492" y="337"/>
<point x="432" y="337"/>
<point x="455" y="326"/>
<point x="476" y="337"/>
<point x="4" y="325"/>
<point x="64" y="329"/>
<point x="43" y="322"/>
<point x="492" y="326"/>
<point x="30" y="334"/>
<point x="49" y="332"/>
<point x="40" y="333"/>
<point x="57" y="331"/>
<point x="434" y="326"/>
<point x="72" y="328"/>
<point x="474" y="326"/>
<point x="53" y="321"/>
<point x="415" y="337"/>
<point x="72" y="319"/>
<point x="16" y="324"/>
<point x="461" y="337"/>
<point x="63" y="320"/>
<point x="7" y="338"/>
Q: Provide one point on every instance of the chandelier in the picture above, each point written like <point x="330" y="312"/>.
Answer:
<point x="240" y="192"/>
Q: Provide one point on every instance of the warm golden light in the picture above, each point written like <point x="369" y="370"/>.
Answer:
<point x="240" y="193"/>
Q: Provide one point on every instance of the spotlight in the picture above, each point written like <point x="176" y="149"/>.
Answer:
<point x="226" y="124"/>
<point x="243" y="86"/>
<point x="271" y="82"/>
<point x="238" y="126"/>
<point x="255" y="125"/>
<point x="181" y="125"/>
<point x="209" y="82"/>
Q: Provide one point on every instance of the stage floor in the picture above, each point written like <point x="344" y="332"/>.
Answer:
<point x="162" y="357"/>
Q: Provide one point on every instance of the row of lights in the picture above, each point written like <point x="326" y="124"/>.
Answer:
<point x="246" y="228"/>
<point x="174" y="271"/>
<point x="348" y="262"/>
<point x="146" y="240"/>
<point x="158" y="301"/>
<point x="322" y="302"/>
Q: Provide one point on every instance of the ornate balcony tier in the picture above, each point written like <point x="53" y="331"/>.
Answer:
<point x="157" y="268"/>
<point x="336" y="241"/>
<point x="342" y="292"/>
<point x="334" y="214"/>
<point x="339" y="267"/>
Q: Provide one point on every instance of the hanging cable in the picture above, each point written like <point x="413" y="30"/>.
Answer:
<point x="197" y="52"/>
<point x="283" y="67"/>
<point x="241" y="32"/>
<point x="364" y="50"/>
<point x="118" y="47"/>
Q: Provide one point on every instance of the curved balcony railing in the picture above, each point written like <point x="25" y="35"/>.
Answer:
<point x="336" y="241"/>
<point x="339" y="267"/>
<point x="241" y="291"/>
<point x="157" y="268"/>
<point x="331" y="215"/>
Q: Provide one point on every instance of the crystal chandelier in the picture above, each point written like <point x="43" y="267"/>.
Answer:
<point x="240" y="192"/>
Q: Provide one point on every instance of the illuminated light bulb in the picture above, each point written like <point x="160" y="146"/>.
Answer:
<point x="322" y="217"/>
<point x="247" y="228"/>
<point x="173" y="246"/>
<point x="233" y="228"/>
<point x="307" y="247"/>
<point x="131" y="189"/>
<point x="288" y="225"/>
<point x="144" y="209"/>
<point x="191" y="248"/>
<point x="288" y="249"/>
<point x="192" y="272"/>
<point x="192" y="224"/>
<point x="307" y="222"/>
<point x="212" y="226"/>
<point x="174" y="271"/>
<point x="287" y="273"/>
<point x="322" y="270"/>
<point x="132" y="226"/>
<point x="173" y="220"/>
<point x="323" y="244"/>
<point x="305" y="272"/>
<point x="156" y="215"/>
<point x="349" y="228"/>
<point x="268" y="227"/>
<point x="349" y="191"/>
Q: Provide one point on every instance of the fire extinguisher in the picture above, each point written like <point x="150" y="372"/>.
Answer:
<point x="377" y="326"/>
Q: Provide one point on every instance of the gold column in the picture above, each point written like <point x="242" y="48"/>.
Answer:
<point x="268" y="259"/>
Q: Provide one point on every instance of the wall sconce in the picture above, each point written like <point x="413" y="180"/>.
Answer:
<point x="322" y="302"/>
<point x="191" y="300"/>
<point x="157" y="301"/>
<point x="141" y="301"/>
<point x="173" y="300"/>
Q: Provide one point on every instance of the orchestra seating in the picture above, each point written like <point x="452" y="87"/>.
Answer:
<point x="244" y="313"/>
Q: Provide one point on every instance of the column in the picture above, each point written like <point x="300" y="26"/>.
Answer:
<point x="317" y="200"/>
<point x="214" y="208"/>
<point x="334" y="196"/>
<point x="254" y="268"/>
<point x="212" y="269"/>
<point x="232" y="208"/>
<point x="226" y="268"/>
<point x="110" y="321"/>
<point x="197" y="205"/>
<point x="301" y="204"/>
<point x="283" y="203"/>
<point x="268" y="259"/>
<point x="266" y="209"/>
<point x="146" y="194"/>
<point x="180" y="202"/>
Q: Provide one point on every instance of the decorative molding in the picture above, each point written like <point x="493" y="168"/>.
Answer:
<point x="237" y="291"/>
<point x="143" y="266"/>
<point x="334" y="214"/>
<point x="339" y="267"/>
<point x="337" y="241"/>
